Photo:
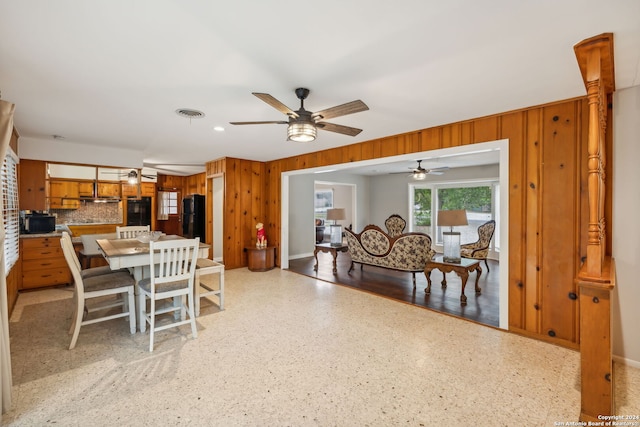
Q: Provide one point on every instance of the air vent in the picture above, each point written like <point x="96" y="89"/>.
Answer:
<point x="190" y="114"/>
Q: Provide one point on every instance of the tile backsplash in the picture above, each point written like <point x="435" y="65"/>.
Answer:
<point x="90" y="212"/>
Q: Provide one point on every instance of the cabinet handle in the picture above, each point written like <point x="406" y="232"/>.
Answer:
<point x="45" y="263"/>
<point x="46" y="275"/>
<point x="45" y="253"/>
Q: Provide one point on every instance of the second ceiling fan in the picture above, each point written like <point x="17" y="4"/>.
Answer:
<point x="421" y="173"/>
<point x="303" y="124"/>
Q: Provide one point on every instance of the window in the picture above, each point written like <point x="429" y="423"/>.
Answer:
<point x="323" y="201"/>
<point x="172" y="203"/>
<point x="10" y="209"/>
<point x="479" y="198"/>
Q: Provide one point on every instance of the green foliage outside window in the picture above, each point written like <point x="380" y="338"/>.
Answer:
<point x="422" y="207"/>
<point x="476" y="199"/>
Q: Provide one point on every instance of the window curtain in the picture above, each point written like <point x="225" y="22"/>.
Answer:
<point x="6" y="128"/>
<point x="163" y="205"/>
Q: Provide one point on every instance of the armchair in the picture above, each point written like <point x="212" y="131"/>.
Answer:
<point x="480" y="248"/>
<point x="395" y="225"/>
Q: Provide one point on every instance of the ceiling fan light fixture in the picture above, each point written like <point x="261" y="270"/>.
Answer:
<point x="420" y="176"/>
<point x="301" y="132"/>
<point x="132" y="177"/>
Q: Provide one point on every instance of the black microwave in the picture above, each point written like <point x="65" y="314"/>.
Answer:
<point x="39" y="224"/>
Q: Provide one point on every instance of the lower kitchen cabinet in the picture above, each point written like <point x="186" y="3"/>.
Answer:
<point x="43" y="263"/>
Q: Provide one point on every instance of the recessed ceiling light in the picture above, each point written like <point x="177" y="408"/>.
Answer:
<point x="218" y="129"/>
<point x="189" y="113"/>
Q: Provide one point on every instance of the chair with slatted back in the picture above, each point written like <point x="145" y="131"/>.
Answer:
<point x="172" y="265"/>
<point x="88" y="286"/>
<point x="131" y="231"/>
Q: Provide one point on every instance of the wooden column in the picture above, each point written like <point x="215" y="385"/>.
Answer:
<point x="596" y="279"/>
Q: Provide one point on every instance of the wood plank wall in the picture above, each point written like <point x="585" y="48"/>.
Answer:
<point x="547" y="155"/>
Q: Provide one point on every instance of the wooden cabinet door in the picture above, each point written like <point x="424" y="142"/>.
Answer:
<point x="148" y="189"/>
<point x="32" y="184"/>
<point x="129" y="190"/>
<point x="85" y="189"/>
<point x="63" y="194"/>
<point x="108" y="189"/>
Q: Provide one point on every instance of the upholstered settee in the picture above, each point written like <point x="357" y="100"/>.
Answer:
<point x="405" y="252"/>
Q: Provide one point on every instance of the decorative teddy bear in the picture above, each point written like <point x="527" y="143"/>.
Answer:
<point x="261" y="237"/>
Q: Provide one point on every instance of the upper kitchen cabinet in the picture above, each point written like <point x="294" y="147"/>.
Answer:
<point x="109" y="189"/>
<point x="32" y="184"/>
<point x="64" y="194"/>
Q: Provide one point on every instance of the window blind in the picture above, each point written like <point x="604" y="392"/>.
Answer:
<point x="10" y="209"/>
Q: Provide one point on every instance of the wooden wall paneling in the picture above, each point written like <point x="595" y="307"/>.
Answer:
<point x="431" y="139"/>
<point x="451" y="135"/>
<point x="486" y="129"/>
<point x="273" y="193"/>
<point x="368" y="150"/>
<point x="354" y="152"/>
<point x="560" y="220"/>
<point x="466" y="133"/>
<point x="332" y="157"/>
<point x="233" y="238"/>
<point x="512" y="127"/>
<point x="532" y="159"/>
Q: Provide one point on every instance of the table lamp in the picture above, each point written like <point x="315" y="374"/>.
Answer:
<point x="451" y="239"/>
<point x="335" y="215"/>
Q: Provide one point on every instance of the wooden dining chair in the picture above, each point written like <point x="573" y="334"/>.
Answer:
<point x="118" y="283"/>
<point x="131" y="231"/>
<point x="172" y="264"/>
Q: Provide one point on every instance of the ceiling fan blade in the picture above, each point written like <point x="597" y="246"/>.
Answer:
<point x="340" y="110"/>
<point x="279" y="122"/>
<point x="437" y="171"/>
<point x="276" y="104"/>
<point x="346" y="130"/>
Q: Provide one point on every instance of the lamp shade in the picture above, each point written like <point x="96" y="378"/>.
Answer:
<point x="336" y="214"/>
<point x="452" y="218"/>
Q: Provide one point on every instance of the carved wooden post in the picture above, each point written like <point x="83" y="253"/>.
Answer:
<point x="597" y="276"/>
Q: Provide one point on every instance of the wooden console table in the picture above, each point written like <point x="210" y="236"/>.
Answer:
<point x="462" y="269"/>
<point x="327" y="247"/>
<point x="261" y="259"/>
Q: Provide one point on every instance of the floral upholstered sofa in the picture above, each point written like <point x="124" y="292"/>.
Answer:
<point x="405" y="252"/>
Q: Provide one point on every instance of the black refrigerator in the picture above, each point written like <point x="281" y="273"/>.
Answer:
<point x="193" y="217"/>
<point x="139" y="211"/>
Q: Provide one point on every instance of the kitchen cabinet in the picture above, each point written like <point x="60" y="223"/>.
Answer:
<point x="109" y="189"/>
<point x="147" y="189"/>
<point x="85" y="189"/>
<point x="32" y="184"/>
<point x="43" y="263"/>
<point x="63" y="194"/>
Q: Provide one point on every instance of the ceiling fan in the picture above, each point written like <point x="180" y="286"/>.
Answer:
<point x="133" y="175"/>
<point x="303" y="124"/>
<point x="421" y="173"/>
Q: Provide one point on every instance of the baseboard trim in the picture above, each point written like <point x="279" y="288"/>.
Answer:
<point x="625" y="361"/>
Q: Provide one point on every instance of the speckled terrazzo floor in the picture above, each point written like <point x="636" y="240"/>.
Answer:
<point x="289" y="350"/>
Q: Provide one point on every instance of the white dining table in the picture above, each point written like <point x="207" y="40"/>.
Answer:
<point x="131" y="253"/>
<point x="134" y="254"/>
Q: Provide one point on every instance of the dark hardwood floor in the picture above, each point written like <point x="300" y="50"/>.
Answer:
<point x="483" y="308"/>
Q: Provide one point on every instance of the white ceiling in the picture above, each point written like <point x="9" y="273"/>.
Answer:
<point x="111" y="73"/>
